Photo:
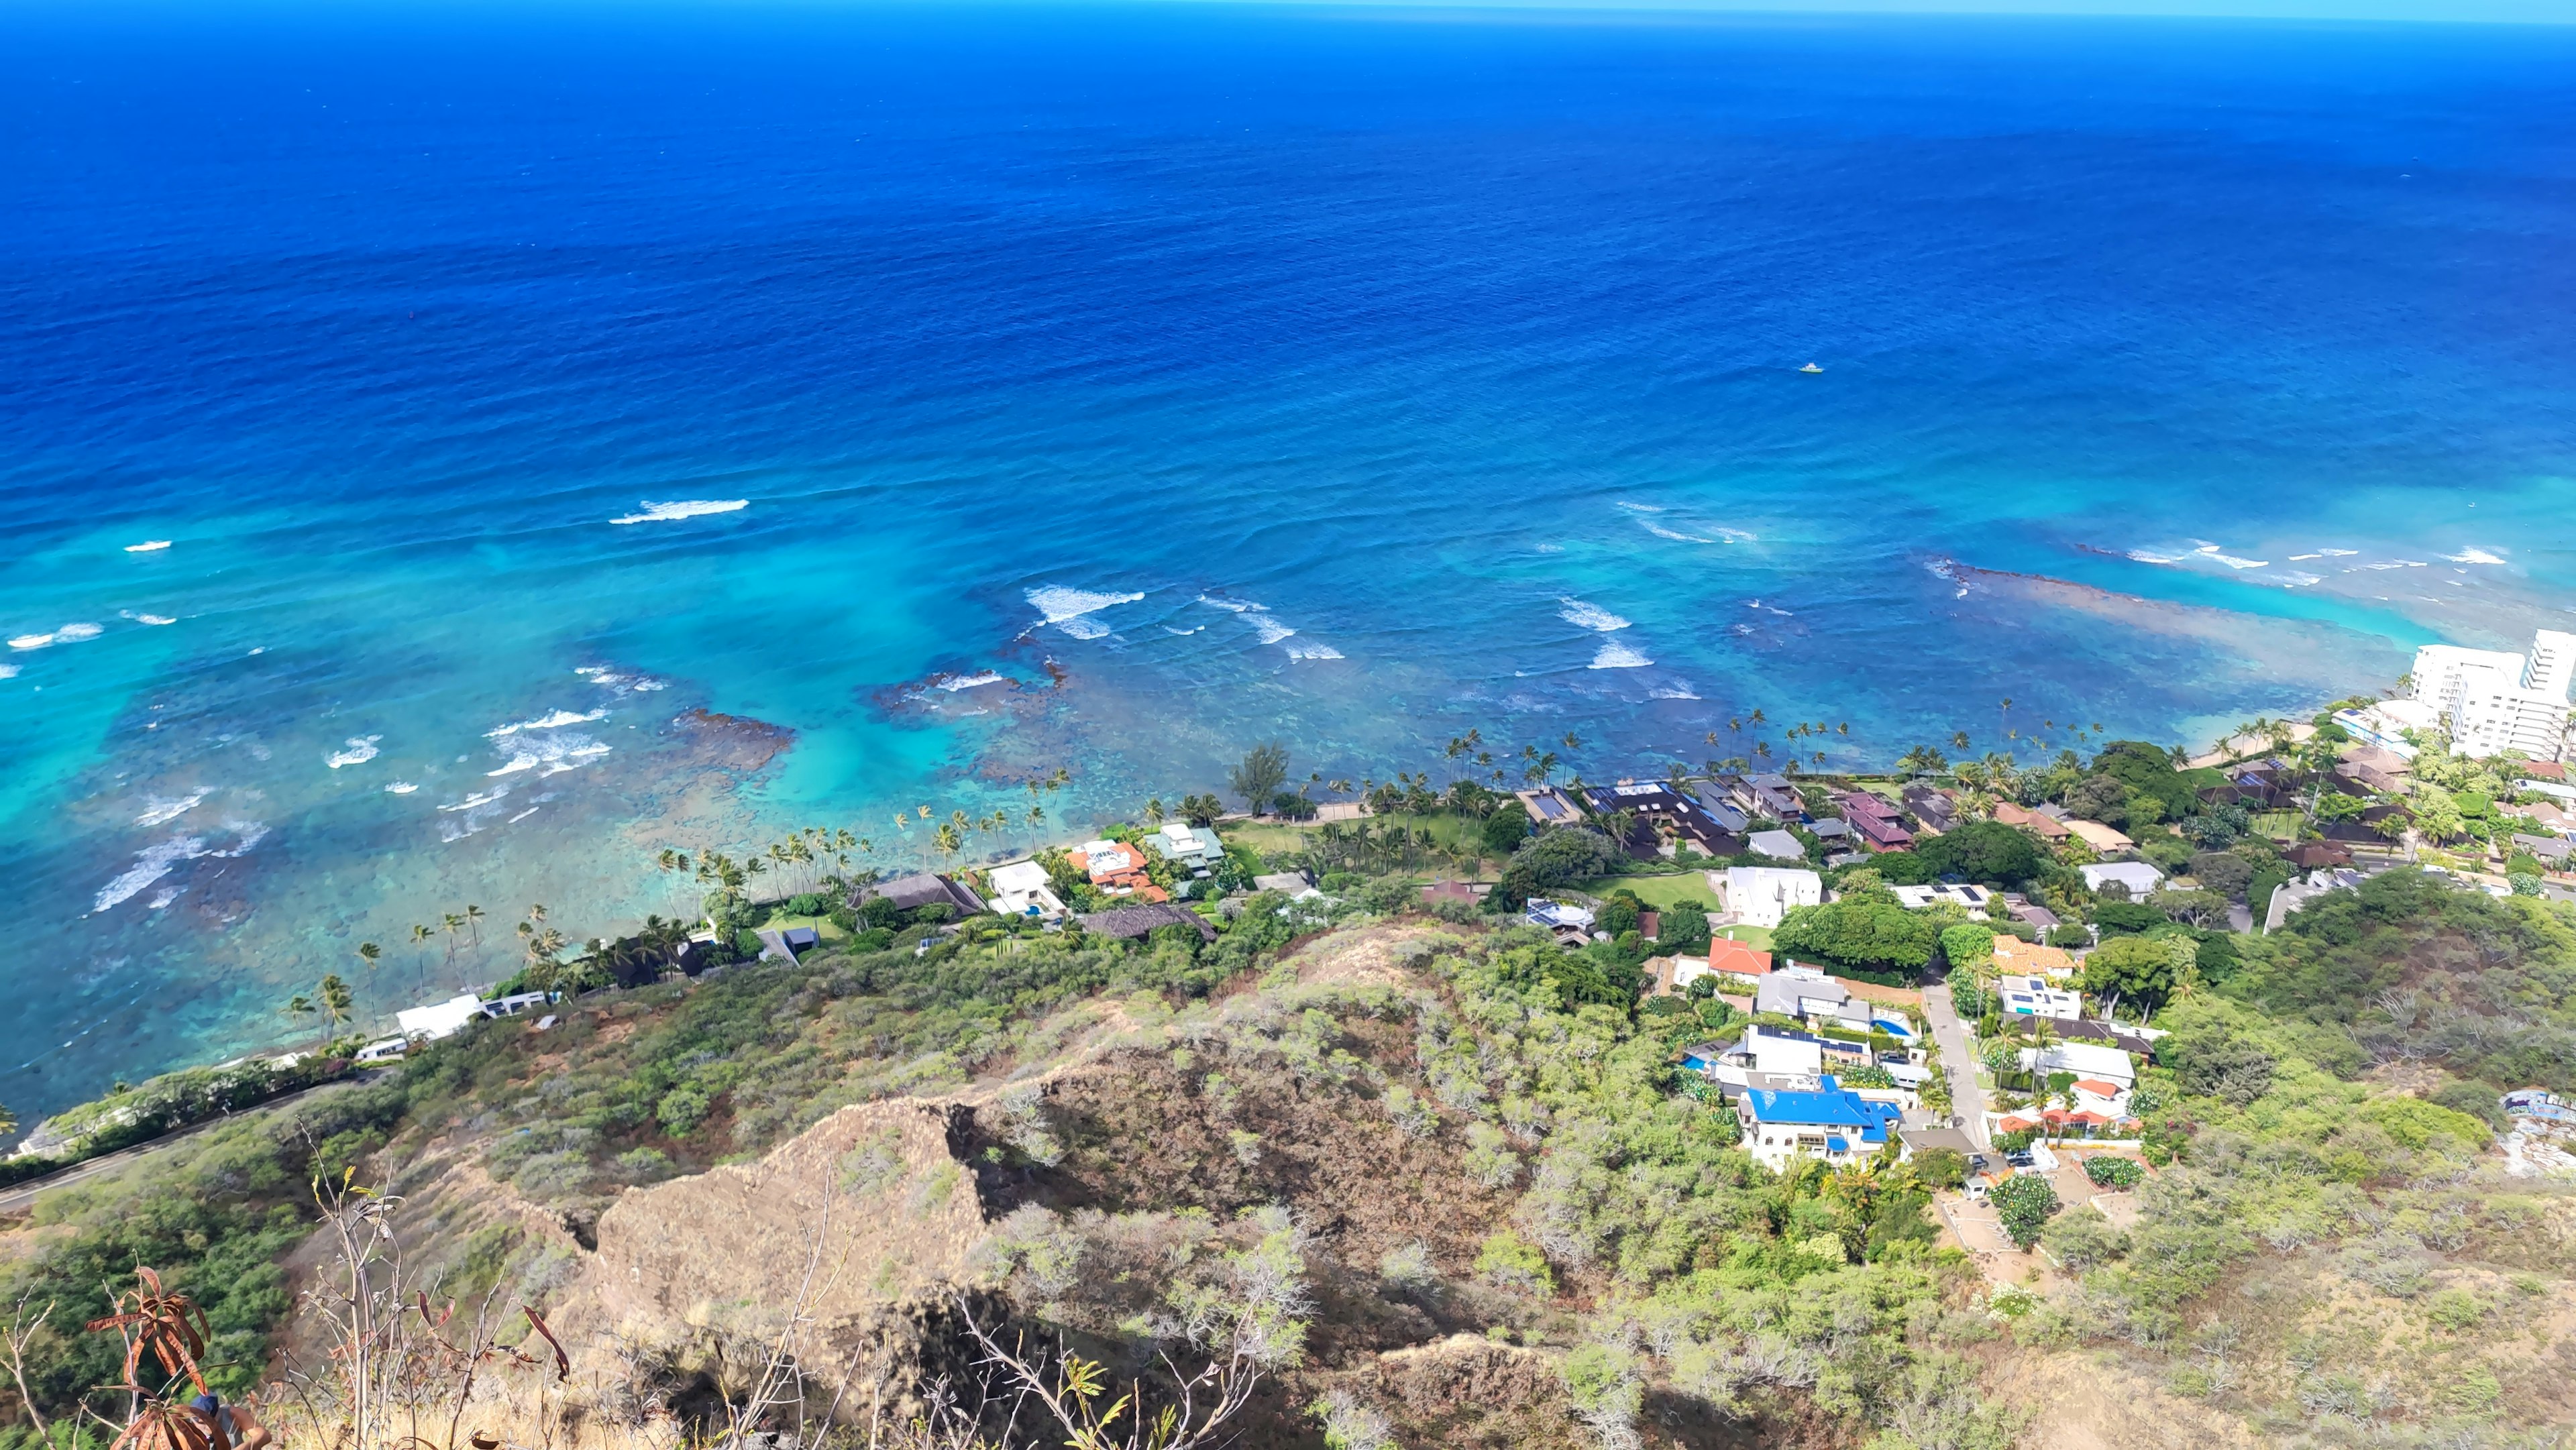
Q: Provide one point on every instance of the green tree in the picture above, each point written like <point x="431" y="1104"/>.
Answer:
<point x="1505" y="829"/>
<point x="1986" y="851"/>
<point x="1873" y="934"/>
<point x="336" y="999"/>
<point x="2024" y="1203"/>
<point x="1968" y="947"/>
<point x="2135" y="969"/>
<point x="1258" y="776"/>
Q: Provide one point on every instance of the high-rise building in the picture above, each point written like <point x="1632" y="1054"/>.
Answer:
<point x="2494" y="701"/>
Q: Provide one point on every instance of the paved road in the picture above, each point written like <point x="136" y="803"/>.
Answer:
<point x="1950" y="1035"/>
<point x="22" y="1197"/>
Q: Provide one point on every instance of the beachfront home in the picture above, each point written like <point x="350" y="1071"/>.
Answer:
<point x="1549" y="806"/>
<point x="1875" y="822"/>
<point x="1761" y="895"/>
<point x="2136" y="877"/>
<point x="1830" y="1123"/>
<point x="440" y="1019"/>
<point x="1116" y="868"/>
<point x="920" y="889"/>
<point x="1768" y="797"/>
<point x="1933" y="809"/>
<point x="2382" y="727"/>
<point x="2034" y="997"/>
<point x="1023" y="888"/>
<point x="1667" y="810"/>
<point x="1729" y="816"/>
<point x="1192" y="848"/>
<point x="2046" y="827"/>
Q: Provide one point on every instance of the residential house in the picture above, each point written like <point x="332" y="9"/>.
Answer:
<point x="1729" y="816"/>
<point x="1802" y="992"/>
<point x="1193" y="849"/>
<point x="2316" y="856"/>
<point x="1875" y="822"/>
<point x="1023" y="888"/>
<point x="2138" y="877"/>
<point x="920" y="889"/>
<point x="1549" y="806"/>
<point x="1761" y="895"/>
<point x="2546" y="815"/>
<point x="2035" y="997"/>
<point x="2012" y="954"/>
<point x="2374" y="769"/>
<point x="785" y="944"/>
<point x="1924" y="1140"/>
<point x="2098" y="836"/>
<point x="1933" y="809"/>
<point x="440" y="1019"/>
<point x="518" y="1002"/>
<point x="2552" y="851"/>
<point x="1777" y="1050"/>
<point x="2382" y="727"/>
<point x="2084" y="1059"/>
<point x="2108" y="1099"/>
<point x="1778" y="845"/>
<point x="2024" y="912"/>
<point x="1838" y="1126"/>
<point x="1116" y="869"/>
<point x="1737" y="967"/>
<point x="1768" y="796"/>
<point x="1564" y="918"/>
<point x="1833" y="833"/>
<point x="2047" y="828"/>
<point x="1914" y="898"/>
<point x="1294" y="884"/>
<point x="1669" y="810"/>
<point x="1127" y="923"/>
<point x="2289" y="896"/>
<point x="2107" y="1035"/>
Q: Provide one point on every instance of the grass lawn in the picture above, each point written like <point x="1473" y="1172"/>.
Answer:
<point x="1455" y="834"/>
<point x="1657" y="891"/>
<point x="822" y="928"/>
<point x="1756" y="937"/>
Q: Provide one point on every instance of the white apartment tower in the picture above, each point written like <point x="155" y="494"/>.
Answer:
<point x="2494" y="701"/>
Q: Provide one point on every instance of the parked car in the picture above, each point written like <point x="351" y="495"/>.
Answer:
<point x="2021" y="1160"/>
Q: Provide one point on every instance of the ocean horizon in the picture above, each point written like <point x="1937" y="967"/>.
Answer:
<point x="450" y="457"/>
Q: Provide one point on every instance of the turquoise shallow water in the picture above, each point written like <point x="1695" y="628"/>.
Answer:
<point x="1207" y="374"/>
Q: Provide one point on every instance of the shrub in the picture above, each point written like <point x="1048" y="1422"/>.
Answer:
<point x="2024" y="1203"/>
<point x="1941" y="1167"/>
<point x="2113" y="1173"/>
<point x="1507" y="1261"/>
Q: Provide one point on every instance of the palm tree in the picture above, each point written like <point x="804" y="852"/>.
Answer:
<point x="1153" y="810"/>
<point x="1573" y="741"/>
<point x="420" y="939"/>
<point x="474" y="920"/>
<point x="336" y="999"/>
<point x="369" y="952"/>
<point x="1958" y="740"/>
<point x="947" y="839"/>
<point x="299" y="1005"/>
<point x="451" y="923"/>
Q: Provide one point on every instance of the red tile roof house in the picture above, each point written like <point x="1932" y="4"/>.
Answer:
<point x="1876" y="821"/>
<point x="1736" y="966"/>
<point x="1117" y="869"/>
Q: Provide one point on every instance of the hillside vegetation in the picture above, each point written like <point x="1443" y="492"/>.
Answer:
<point x="1443" y="1179"/>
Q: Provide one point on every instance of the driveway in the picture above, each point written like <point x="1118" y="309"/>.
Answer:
<point x="1950" y="1035"/>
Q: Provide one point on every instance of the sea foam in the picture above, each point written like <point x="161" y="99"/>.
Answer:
<point x="400" y="787"/>
<point x="1588" y="616"/>
<point x="146" y="618"/>
<point x="1614" y="655"/>
<point x="2474" y="556"/>
<point x="75" y="633"/>
<point x="150" y="864"/>
<point x="687" y="508"/>
<point x="1069" y="609"/>
<point x="553" y="721"/>
<point x="8" y="672"/>
<point x="1270" y="630"/>
<point x="361" y="749"/>
<point x="556" y="752"/>
<point x="1309" y="650"/>
<point x="148" y="546"/>
<point x="160" y="810"/>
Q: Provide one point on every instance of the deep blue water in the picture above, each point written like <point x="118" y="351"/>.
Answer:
<point x="1444" y="340"/>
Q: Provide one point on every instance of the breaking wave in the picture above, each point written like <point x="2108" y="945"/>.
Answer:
<point x="1613" y="655"/>
<point x="687" y="508"/>
<point x="555" y="721"/>
<point x="362" y="748"/>
<point x="1071" y="609"/>
<point x="161" y="810"/>
<point x="2474" y="556"/>
<point x="148" y="546"/>
<point x="1309" y="650"/>
<point x="1271" y="630"/>
<point x="150" y="865"/>
<point x="1588" y="616"/>
<point x="556" y="753"/>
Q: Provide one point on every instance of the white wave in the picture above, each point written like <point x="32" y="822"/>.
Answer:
<point x="687" y="508"/>
<point x="400" y="787"/>
<point x="8" y="672"/>
<point x="1738" y="536"/>
<point x="1660" y="532"/>
<point x="2211" y="551"/>
<point x="2474" y="556"/>
<point x="1639" y="508"/>
<point x="557" y="751"/>
<point x="251" y="834"/>
<point x="2390" y="564"/>
<point x="2297" y="577"/>
<point x="2150" y="556"/>
<point x="1230" y="606"/>
<point x="146" y="618"/>
<point x="521" y="816"/>
<point x="2338" y="553"/>
<point x="1549" y="548"/>
<point x="161" y="899"/>
<point x="30" y="641"/>
<point x="1672" y="692"/>
<point x="75" y="633"/>
<point x="477" y="802"/>
<point x="954" y="683"/>
<point x="2295" y="558"/>
<point x="1588" y="616"/>
<point x="148" y="546"/>
<point x="1184" y="633"/>
<point x="652" y="685"/>
<point x="1069" y="608"/>
<point x="362" y="748"/>
<point x="1616" y="656"/>
<point x="1270" y="630"/>
<point x="150" y="865"/>
<point x="1309" y="650"/>
<point x="554" y="721"/>
<point x="160" y="810"/>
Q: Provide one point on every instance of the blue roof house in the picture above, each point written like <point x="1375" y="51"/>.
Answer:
<point x="1831" y="1123"/>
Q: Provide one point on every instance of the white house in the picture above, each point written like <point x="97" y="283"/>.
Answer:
<point x="442" y="1019"/>
<point x="2034" y="997"/>
<point x="1804" y="992"/>
<point x="1198" y="851"/>
<point x="2497" y="701"/>
<point x="1784" y="1054"/>
<point x="1558" y="915"/>
<point x="2386" y="723"/>
<point x="2085" y="1060"/>
<point x="1915" y="898"/>
<point x="1835" y="1125"/>
<point x="1761" y="895"/>
<point x="1022" y="889"/>
<point x="2138" y="876"/>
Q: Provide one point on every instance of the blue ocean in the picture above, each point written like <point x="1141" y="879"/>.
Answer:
<point x="450" y="454"/>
